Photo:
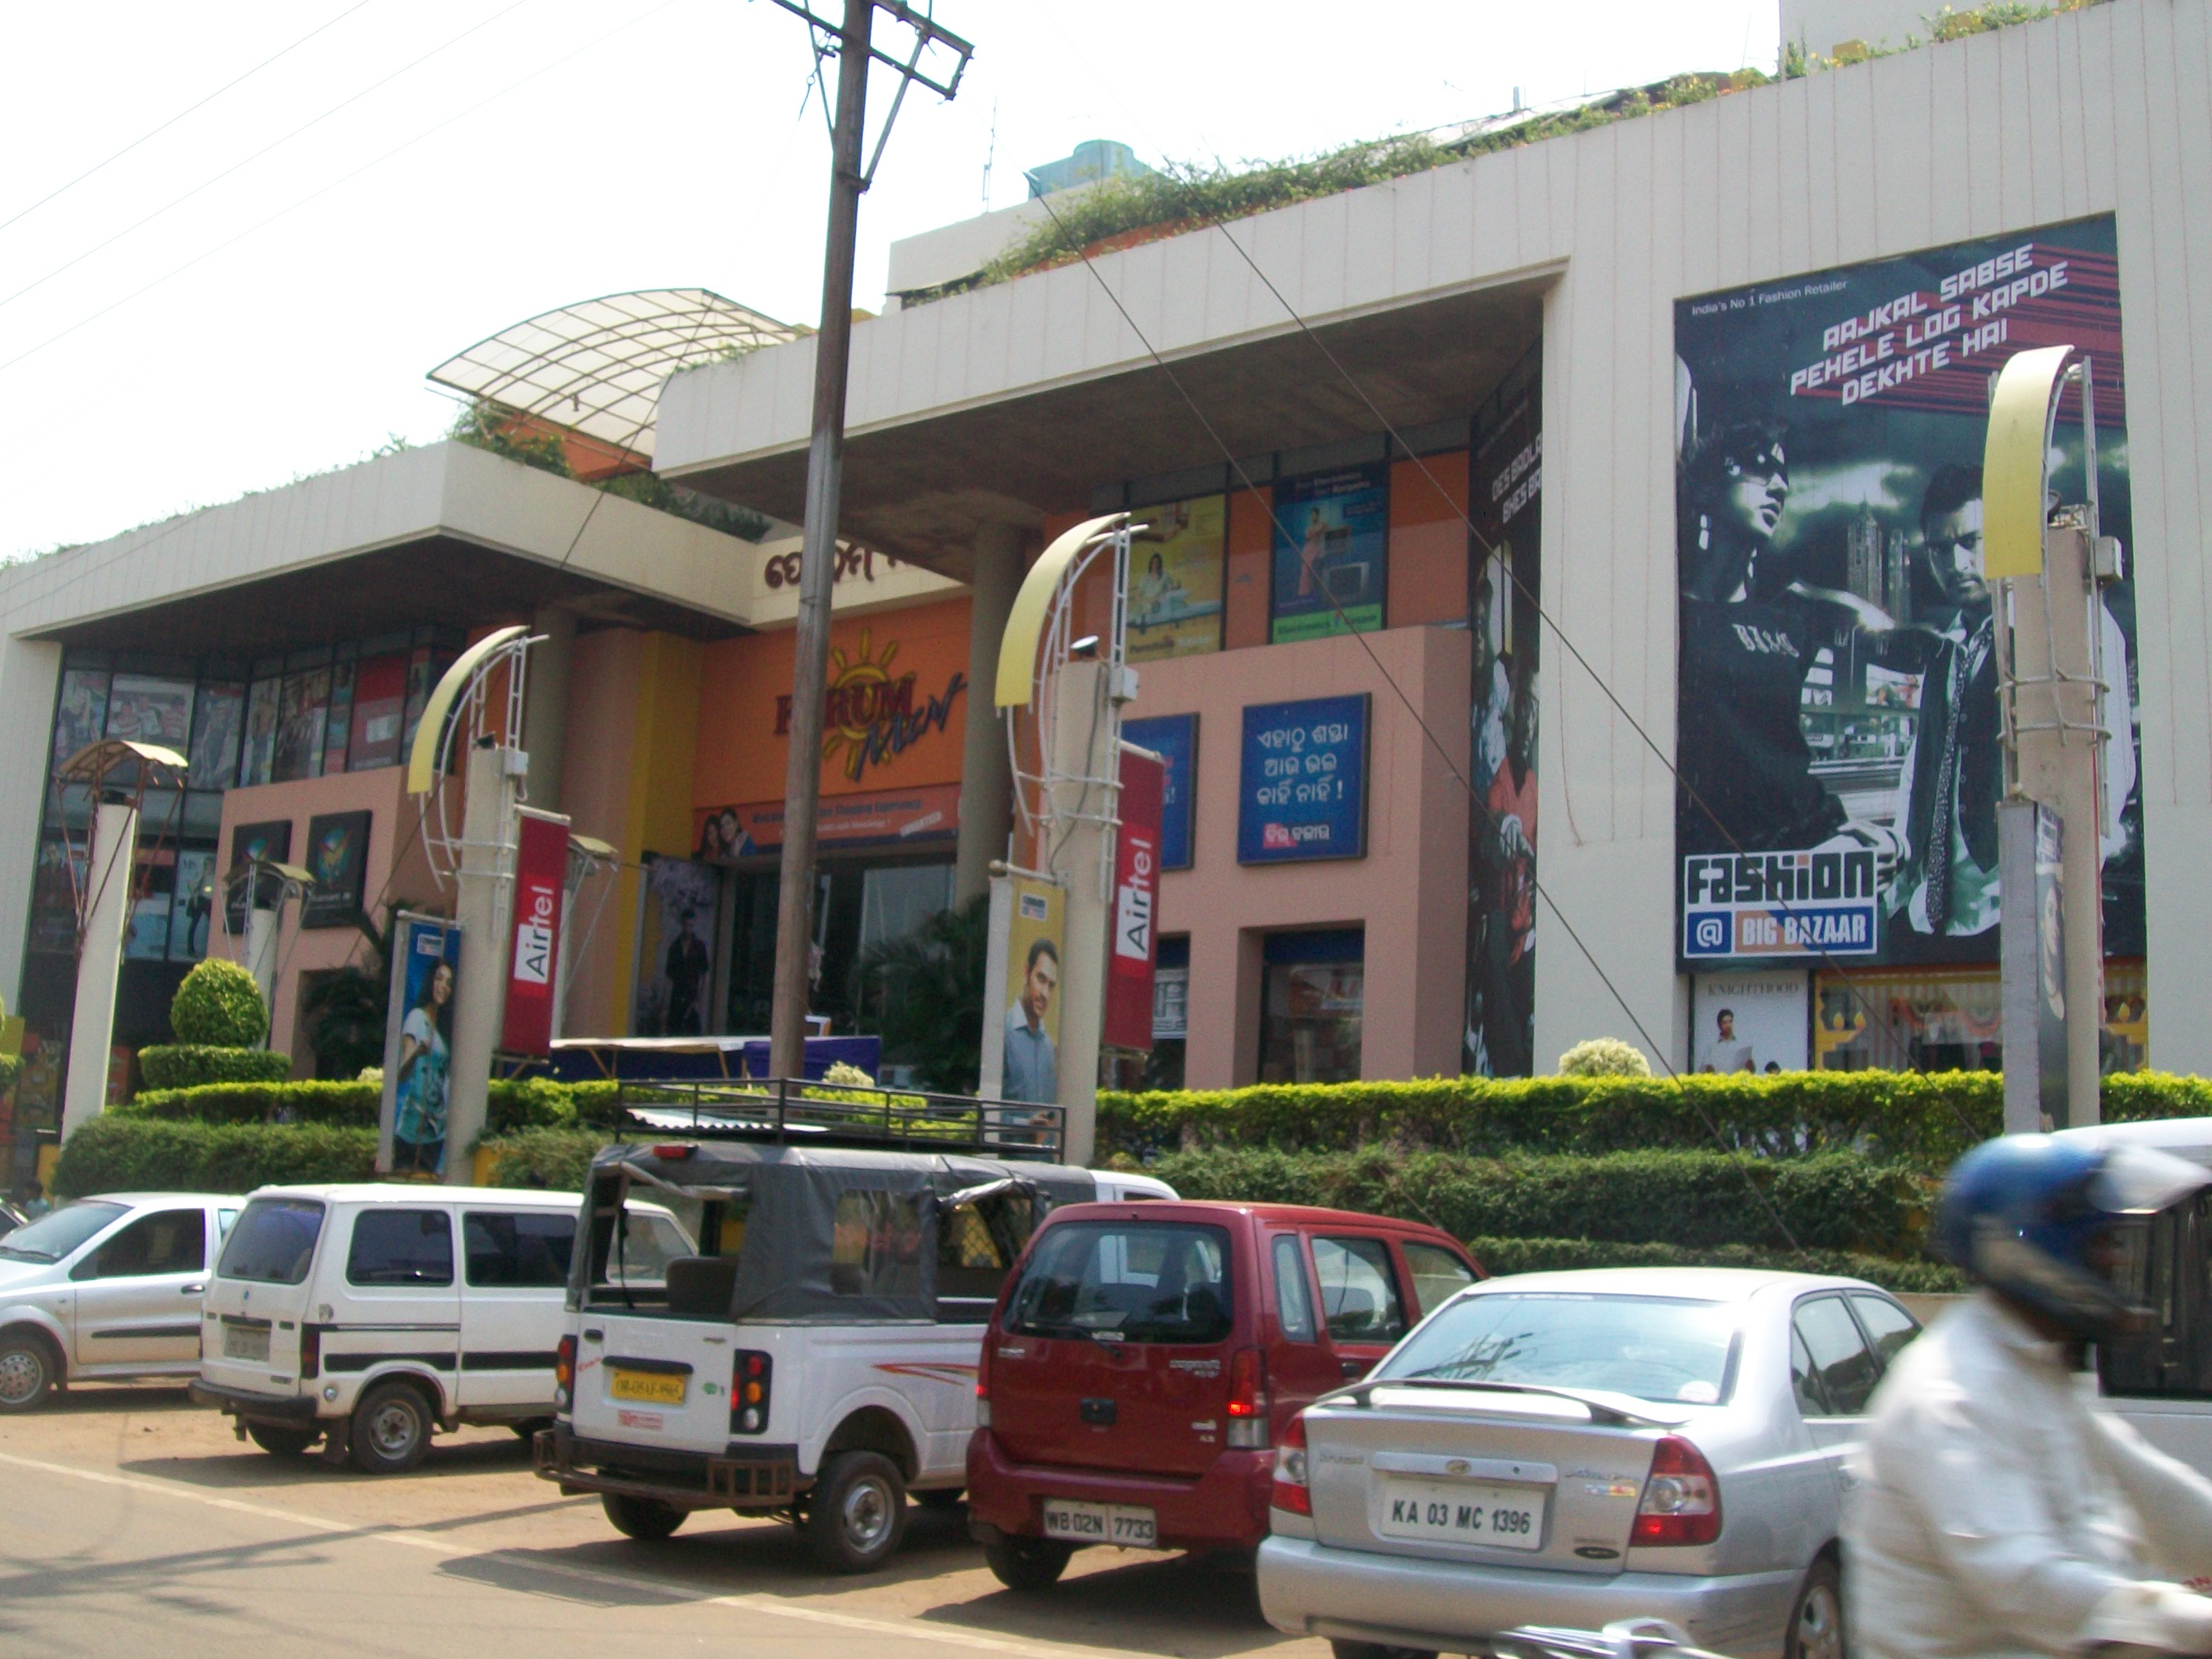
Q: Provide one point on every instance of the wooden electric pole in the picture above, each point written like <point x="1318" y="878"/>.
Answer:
<point x="852" y="46"/>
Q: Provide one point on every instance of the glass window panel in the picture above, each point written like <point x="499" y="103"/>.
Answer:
<point x="142" y="709"/>
<point x="1887" y="1325"/>
<point x="81" y="716"/>
<point x="168" y="1241"/>
<point x="219" y="716"/>
<point x="896" y="900"/>
<point x="1145" y="1281"/>
<point x="1293" y="1299"/>
<point x="1439" y="1275"/>
<point x="1310" y="1022"/>
<point x="401" y="1247"/>
<point x="1359" y="1291"/>
<point x="260" y="747"/>
<point x="525" y="1249"/>
<point x="876" y="1245"/>
<point x="1840" y="1359"/>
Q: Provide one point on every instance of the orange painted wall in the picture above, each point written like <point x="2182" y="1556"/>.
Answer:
<point x="1428" y="540"/>
<point x="1251" y="534"/>
<point x="740" y="757"/>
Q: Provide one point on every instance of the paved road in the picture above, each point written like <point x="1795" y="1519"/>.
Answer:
<point x="132" y="1523"/>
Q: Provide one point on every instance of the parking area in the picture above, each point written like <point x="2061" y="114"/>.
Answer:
<point x="129" y="1510"/>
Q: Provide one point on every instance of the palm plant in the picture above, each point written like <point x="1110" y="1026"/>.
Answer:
<point x="927" y="988"/>
<point x="345" y="1011"/>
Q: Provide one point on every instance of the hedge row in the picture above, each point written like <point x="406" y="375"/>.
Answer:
<point x="193" y="1065"/>
<point x="1832" y="1200"/>
<point x="117" y="1153"/>
<point x="531" y="1103"/>
<point x="1926" y="1120"/>
<point x="1535" y="1255"/>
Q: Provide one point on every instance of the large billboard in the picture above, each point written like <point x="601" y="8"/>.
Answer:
<point x="1503" y="581"/>
<point x="1837" y="723"/>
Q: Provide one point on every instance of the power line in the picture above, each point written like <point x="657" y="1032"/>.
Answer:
<point x="207" y="183"/>
<point x="157" y="132"/>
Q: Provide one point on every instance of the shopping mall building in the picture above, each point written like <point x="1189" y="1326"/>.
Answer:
<point x="1632" y="471"/>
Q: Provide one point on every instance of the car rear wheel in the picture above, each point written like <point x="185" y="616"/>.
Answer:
<point x="279" y="1441"/>
<point x="1816" y="1623"/>
<point x="1028" y="1564"/>
<point x="1379" y="1651"/>
<point x="856" y="1514"/>
<point x="391" y="1429"/>
<point x="645" y="1519"/>
<point x="27" y="1373"/>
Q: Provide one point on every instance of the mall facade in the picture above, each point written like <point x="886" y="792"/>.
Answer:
<point x="1631" y="474"/>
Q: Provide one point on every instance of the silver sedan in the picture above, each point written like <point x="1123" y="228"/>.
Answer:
<point x="1576" y="1447"/>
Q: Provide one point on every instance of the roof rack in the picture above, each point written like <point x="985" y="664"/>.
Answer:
<point x="795" y="1112"/>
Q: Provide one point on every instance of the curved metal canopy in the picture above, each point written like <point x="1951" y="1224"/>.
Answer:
<point x="598" y="366"/>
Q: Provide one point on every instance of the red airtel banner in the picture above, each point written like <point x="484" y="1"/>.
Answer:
<point x="541" y="870"/>
<point x="1136" y="901"/>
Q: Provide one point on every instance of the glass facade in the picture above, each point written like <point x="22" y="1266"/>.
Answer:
<point x="1941" y="1020"/>
<point x="1312" y="997"/>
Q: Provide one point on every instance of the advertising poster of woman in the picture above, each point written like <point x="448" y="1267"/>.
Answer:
<point x="418" y="1045"/>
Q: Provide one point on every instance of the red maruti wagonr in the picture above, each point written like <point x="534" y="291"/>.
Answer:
<point x="1144" y="1359"/>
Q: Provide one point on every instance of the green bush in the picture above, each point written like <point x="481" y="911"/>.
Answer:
<point x="1835" y="1201"/>
<point x="189" y="1065"/>
<point x="118" y="1152"/>
<point x="347" y="1104"/>
<point x="219" y="1006"/>
<point x="556" y="1159"/>
<point x="1604" y="1057"/>
<point x="1500" y="1256"/>
<point x="11" y="1068"/>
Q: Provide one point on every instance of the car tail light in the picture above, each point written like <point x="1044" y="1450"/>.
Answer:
<point x="752" y="1381"/>
<point x="983" y="1382"/>
<point x="1290" y="1490"/>
<point x="673" y="1151"/>
<point x="564" y="1372"/>
<point x="1681" y="1497"/>
<point x="1248" y="1399"/>
<point x="311" y="1352"/>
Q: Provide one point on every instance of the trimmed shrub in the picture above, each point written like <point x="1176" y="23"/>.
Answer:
<point x="1836" y="1200"/>
<point x="119" y="1152"/>
<point x="189" y="1065"/>
<point x="348" y="1104"/>
<point x="1604" y="1057"/>
<point x="556" y="1159"/>
<point x="219" y="1006"/>
<point x="1500" y="1256"/>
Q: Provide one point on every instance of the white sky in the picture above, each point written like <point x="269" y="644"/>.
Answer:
<point x="653" y="143"/>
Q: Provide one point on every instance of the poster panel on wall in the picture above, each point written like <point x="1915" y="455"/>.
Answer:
<point x="146" y="937"/>
<point x="675" y="957"/>
<point x="1302" y="790"/>
<point x="1837" y="728"/>
<point x="920" y="816"/>
<point x="418" y="1041"/>
<point x="1331" y="548"/>
<point x="1136" y="902"/>
<point x="259" y="751"/>
<point x="213" y="762"/>
<point x="81" y="715"/>
<point x="1174" y="738"/>
<point x="541" y="873"/>
<point x="1176" y="578"/>
<point x="141" y="709"/>
<point x="1500" y="1035"/>
<point x="1751" y="1021"/>
<point x="301" y="709"/>
<point x="337" y="725"/>
<point x="337" y="859"/>
<point x="191" y="907"/>
<point x="268" y="843"/>
<point x="1029" y="993"/>
<point x="380" y="707"/>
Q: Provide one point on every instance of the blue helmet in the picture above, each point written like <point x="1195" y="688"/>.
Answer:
<point x="2021" y="1214"/>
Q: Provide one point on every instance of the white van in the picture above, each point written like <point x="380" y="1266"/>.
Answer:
<point x="816" y="1360"/>
<point x="370" y="1316"/>
<point x="2162" y="1383"/>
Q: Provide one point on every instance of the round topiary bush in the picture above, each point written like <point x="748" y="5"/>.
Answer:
<point x="219" y="1006"/>
<point x="1604" y="1057"/>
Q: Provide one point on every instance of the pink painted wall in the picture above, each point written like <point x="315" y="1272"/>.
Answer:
<point x="391" y="830"/>
<point x="1410" y="891"/>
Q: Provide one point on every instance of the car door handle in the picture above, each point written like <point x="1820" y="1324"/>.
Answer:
<point x="1353" y="1367"/>
<point x="193" y="1289"/>
<point x="1100" y="1412"/>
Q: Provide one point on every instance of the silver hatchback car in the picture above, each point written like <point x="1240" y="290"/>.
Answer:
<point x="1578" y="1448"/>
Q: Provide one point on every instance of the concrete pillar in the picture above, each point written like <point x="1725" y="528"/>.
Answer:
<point x="30" y="674"/>
<point x="262" y="925"/>
<point x="1083" y="750"/>
<point x="108" y="877"/>
<point x="483" y="907"/>
<point x="987" y="785"/>
<point x="545" y="705"/>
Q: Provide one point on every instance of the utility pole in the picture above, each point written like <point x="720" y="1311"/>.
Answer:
<point x="851" y="43"/>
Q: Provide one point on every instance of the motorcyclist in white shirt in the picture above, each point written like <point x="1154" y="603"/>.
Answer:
<point x="1996" y="1509"/>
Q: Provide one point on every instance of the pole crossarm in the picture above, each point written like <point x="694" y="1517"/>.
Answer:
<point x="928" y="31"/>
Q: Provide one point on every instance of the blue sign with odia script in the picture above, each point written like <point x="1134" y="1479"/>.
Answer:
<point x="1302" y="788"/>
<point x="1174" y="738"/>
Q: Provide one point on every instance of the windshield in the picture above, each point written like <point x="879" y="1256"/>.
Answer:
<point x="1654" y="1347"/>
<point x="273" y="1242"/>
<point x="1126" y="1282"/>
<point x="52" y="1237"/>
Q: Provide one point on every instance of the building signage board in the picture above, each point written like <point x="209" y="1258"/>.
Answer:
<point x="418" y="1037"/>
<point x="1302" y="790"/>
<point x="920" y="816"/>
<point x="1021" y="1047"/>
<point x="268" y="843"/>
<point x="1174" y="578"/>
<point x="1837" y="723"/>
<point x="1331" y="545"/>
<point x="541" y="870"/>
<point x="1129" y="961"/>
<point x="1174" y="738"/>
<point x="337" y="859"/>
<point x="1750" y="1022"/>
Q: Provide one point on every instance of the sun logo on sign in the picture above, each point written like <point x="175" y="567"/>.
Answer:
<point x="863" y="694"/>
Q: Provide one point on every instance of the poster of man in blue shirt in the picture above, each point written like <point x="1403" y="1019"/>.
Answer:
<point x="1032" y="1073"/>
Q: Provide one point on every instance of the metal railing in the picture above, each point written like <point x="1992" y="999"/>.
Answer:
<point x="794" y="1111"/>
